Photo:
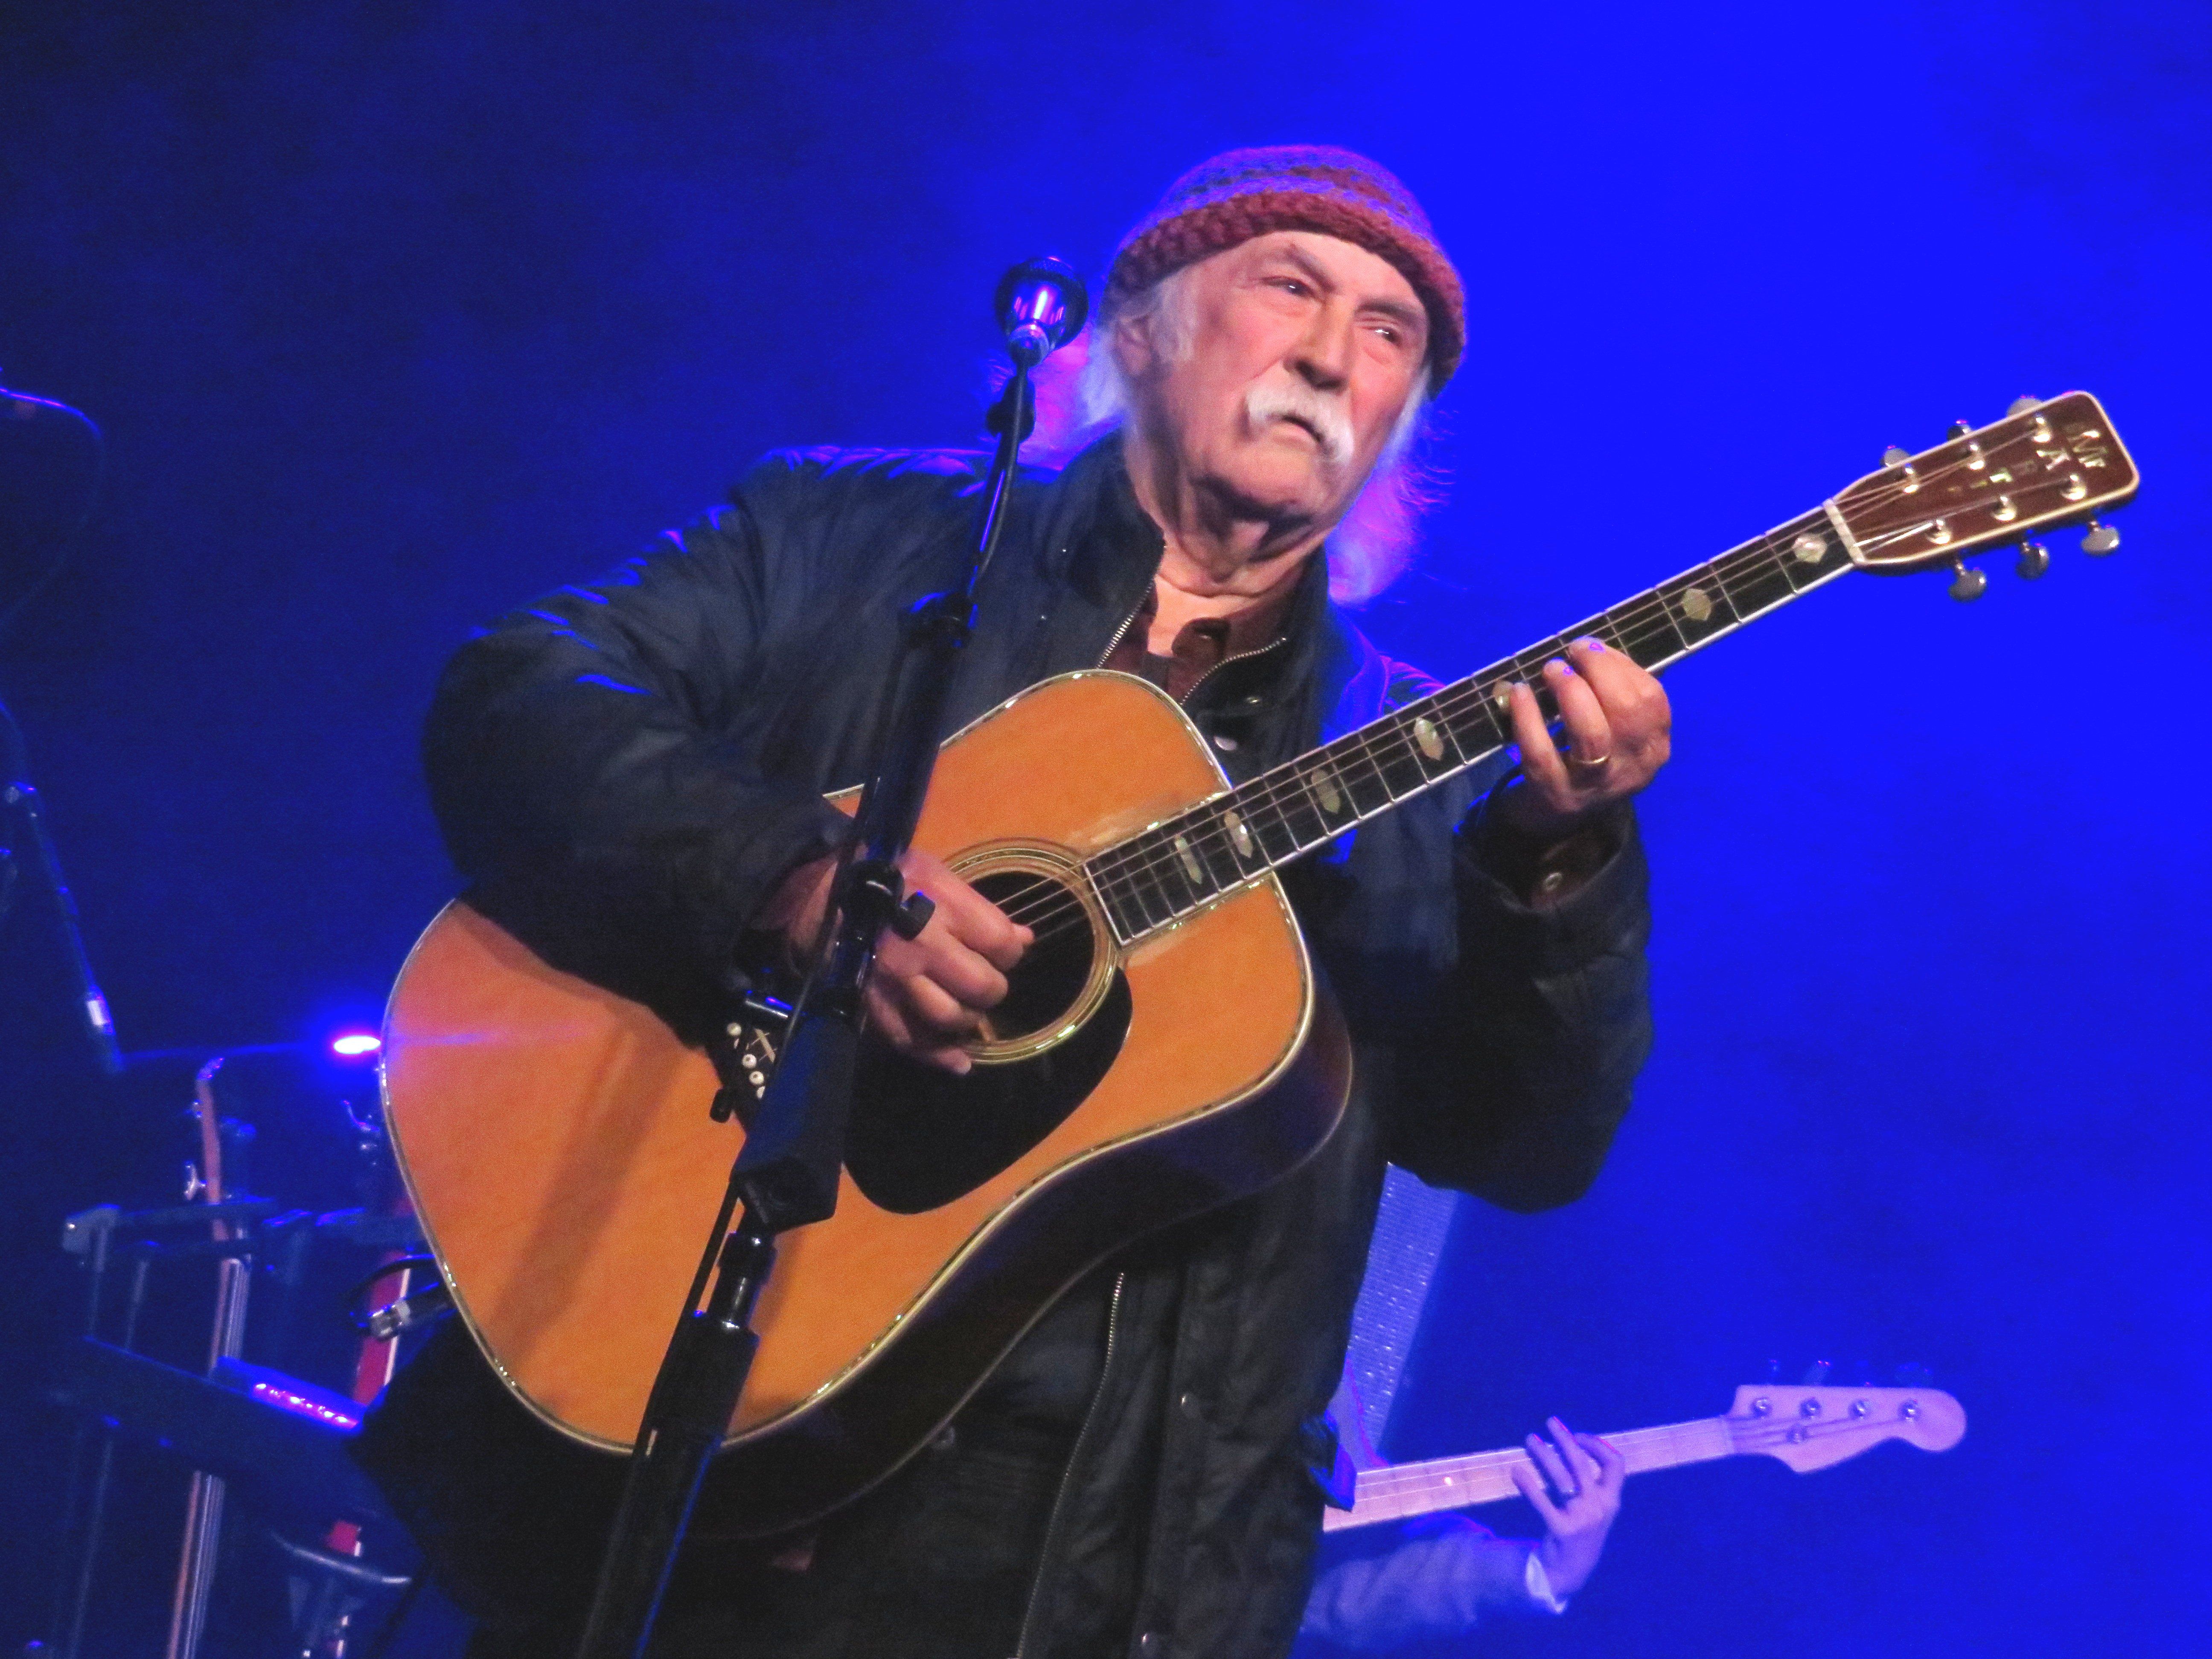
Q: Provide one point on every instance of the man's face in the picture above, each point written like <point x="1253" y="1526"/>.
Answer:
<point x="1303" y="350"/>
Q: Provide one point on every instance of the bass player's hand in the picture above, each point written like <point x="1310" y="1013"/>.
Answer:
<point x="930" y="993"/>
<point x="1584" y="1473"/>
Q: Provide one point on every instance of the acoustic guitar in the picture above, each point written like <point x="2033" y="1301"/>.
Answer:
<point x="1807" y="1428"/>
<point x="557" y="1142"/>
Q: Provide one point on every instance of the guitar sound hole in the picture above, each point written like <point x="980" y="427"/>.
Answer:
<point x="1049" y="980"/>
<point x="919" y="1136"/>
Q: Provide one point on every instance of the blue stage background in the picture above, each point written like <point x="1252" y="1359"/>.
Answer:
<point x="396" y="313"/>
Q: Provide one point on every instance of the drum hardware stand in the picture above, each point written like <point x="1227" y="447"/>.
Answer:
<point x="257" y="1228"/>
<point x="786" y="1175"/>
<point x="342" y="1587"/>
<point x="92" y="1234"/>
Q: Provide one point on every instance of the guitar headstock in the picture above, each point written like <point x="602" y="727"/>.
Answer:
<point x="1810" y="1428"/>
<point x="2045" y="465"/>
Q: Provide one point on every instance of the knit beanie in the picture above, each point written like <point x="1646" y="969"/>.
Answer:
<point x="1245" y="193"/>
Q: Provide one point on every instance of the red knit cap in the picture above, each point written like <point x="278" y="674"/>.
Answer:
<point x="1250" y="192"/>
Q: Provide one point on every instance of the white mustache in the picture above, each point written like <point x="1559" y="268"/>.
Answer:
<point x="1295" y="400"/>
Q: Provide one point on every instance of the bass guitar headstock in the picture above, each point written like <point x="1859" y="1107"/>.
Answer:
<point x="2045" y="465"/>
<point x="1810" y="1428"/>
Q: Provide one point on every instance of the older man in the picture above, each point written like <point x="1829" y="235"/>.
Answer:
<point x="633" y="775"/>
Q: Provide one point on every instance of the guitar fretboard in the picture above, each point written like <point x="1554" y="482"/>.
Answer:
<point x="1393" y="1493"/>
<point x="1178" y="866"/>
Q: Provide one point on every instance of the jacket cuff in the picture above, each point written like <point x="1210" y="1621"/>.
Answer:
<point x="1554" y="938"/>
<point x="750" y="865"/>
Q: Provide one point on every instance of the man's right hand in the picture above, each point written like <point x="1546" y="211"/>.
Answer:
<point x="928" y="994"/>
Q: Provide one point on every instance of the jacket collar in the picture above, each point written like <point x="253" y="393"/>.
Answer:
<point x="1099" y="539"/>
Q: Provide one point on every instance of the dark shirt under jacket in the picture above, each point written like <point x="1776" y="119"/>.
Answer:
<point x="626" y="771"/>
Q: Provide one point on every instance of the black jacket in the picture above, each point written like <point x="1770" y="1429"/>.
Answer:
<point x="627" y="770"/>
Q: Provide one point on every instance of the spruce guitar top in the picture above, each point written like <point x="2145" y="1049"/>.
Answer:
<point x="558" y="1140"/>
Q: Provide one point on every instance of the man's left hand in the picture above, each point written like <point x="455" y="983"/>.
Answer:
<point x="1585" y="1474"/>
<point x="1617" y="724"/>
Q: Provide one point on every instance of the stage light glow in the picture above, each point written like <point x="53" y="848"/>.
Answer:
<point x="355" y="1045"/>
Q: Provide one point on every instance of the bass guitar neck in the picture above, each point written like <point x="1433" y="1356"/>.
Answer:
<point x="1807" y="1428"/>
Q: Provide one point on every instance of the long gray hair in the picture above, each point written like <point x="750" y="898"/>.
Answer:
<point x="1082" y="394"/>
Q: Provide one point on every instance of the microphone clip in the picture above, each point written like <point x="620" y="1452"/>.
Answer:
<point x="1041" y="306"/>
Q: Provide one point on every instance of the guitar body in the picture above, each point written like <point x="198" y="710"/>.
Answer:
<point x="556" y="1142"/>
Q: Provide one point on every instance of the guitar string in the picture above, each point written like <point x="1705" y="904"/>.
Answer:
<point x="1463" y="1485"/>
<point x="1743" y="1434"/>
<point x="1635" y="622"/>
<point x="1397" y="1482"/>
<point x="1647" y="617"/>
<point x="1272" y="805"/>
<point x="1119" y="878"/>
<point x="1125" y="874"/>
<point x="1642" y="621"/>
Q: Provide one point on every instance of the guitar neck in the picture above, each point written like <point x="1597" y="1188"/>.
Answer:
<point x="1400" y="1490"/>
<point x="1180" y="865"/>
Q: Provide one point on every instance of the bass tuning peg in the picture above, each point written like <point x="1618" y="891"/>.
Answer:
<point x="2101" y="539"/>
<point x="1967" y="583"/>
<point x="1961" y="428"/>
<point x="1895" y="456"/>
<point x="2034" y="560"/>
<point x="2020" y="405"/>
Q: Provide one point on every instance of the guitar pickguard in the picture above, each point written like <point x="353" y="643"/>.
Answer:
<point x="920" y="1138"/>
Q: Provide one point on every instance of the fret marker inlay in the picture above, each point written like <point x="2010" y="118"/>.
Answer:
<point x="1190" y="865"/>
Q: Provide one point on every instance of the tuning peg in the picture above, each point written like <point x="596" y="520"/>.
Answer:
<point x="1817" y="1373"/>
<point x="1967" y="583"/>
<point x="1961" y="428"/>
<point x="2034" y="560"/>
<point x="2020" y="405"/>
<point x="1895" y="456"/>
<point x="2101" y="538"/>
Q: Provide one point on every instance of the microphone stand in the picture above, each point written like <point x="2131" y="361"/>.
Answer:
<point x="19" y="799"/>
<point x="786" y="1175"/>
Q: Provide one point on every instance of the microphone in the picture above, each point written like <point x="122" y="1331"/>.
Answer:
<point x="1042" y="305"/>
